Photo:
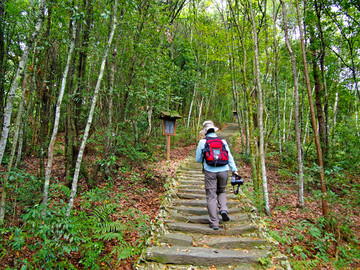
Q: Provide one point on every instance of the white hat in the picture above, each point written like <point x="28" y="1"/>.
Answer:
<point x="208" y="125"/>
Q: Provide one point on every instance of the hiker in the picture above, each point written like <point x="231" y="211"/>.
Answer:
<point x="216" y="163"/>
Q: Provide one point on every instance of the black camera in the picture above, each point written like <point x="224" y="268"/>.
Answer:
<point x="236" y="180"/>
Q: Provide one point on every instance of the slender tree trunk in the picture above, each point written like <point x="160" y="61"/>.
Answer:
<point x="57" y="120"/>
<point x="318" y="95"/>
<point x="191" y="106"/>
<point x="111" y="132"/>
<point x="91" y="113"/>
<point x="260" y="113"/>
<point x="21" y="141"/>
<point x="19" y="74"/>
<point x="249" y="138"/>
<point x="277" y="116"/>
<point x="2" y="58"/>
<point x="333" y="131"/>
<point x="335" y="112"/>
<point x="325" y="209"/>
<point x="325" y="124"/>
<point x="297" y="122"/>
<point x="284" y="118"/>
<point x="12" y="155"/>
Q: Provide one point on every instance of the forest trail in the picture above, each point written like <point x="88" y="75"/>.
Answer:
<point x="182" y="239"/>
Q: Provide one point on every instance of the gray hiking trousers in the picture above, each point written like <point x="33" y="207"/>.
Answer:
<point x="215" y="184"/>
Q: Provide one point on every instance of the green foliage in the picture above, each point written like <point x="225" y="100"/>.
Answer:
<point x="128" y="149"/>
<point x="54" y="237"/>
<point x="345" y="153"/>
<point x="265" y="261"/>
<point x="26" y="188"/>
<point x="308" y="245"/>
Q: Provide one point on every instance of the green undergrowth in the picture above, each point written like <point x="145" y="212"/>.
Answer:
<point x="312" y="245"/>
<point x="99" y="234"/>
<point x="309" y="240"/>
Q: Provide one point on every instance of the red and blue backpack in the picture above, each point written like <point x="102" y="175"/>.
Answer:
<point x="215" y="153"/>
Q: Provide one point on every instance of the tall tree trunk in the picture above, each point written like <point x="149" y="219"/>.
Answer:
<point x="2" y="58"/>
<point x="325" y="209"/>
<point x="91" y="113"/>
<point x="297" y="122"/>
<point x="284" y="117"/>
<point x="249" y="139"/>
<point x="325" y="121"/>
<point x="318" y="95"/>
<point x="260" y="113"/>
<point x="19" y="74"/>
<point x="191" y="106"/>
<point x="334" y="116"/>
<point x="12" y="155"/>
<point x="57" y="120"/>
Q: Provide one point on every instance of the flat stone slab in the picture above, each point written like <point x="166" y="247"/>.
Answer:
<point x="178" y="239"/>
<point x="204" y="219"/>
<point x="205" y="229"/>
<point x="199" y="211"/>
<point x="192" y="182"/>
<point x="201" y="195"/>
<point x="202" y="203"/>
<point x="191" y="190"/>
<point x="230" y="242"/>
<point x="189" y="176"/>
<point x="202" y="256"/>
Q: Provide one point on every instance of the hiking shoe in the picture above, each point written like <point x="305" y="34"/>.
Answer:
<point x="214" y="227"/>
<point x="225" y="216"/>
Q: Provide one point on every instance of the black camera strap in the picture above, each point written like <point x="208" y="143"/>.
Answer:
<point x="237" y="189"/>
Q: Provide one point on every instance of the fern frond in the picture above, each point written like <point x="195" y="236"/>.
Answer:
<point x="111" y="236"/>
<point x="103" y="212"/>
<point x="62" y="189"/>
<point x="126" y="251"/>
<point x="107" y="227"/>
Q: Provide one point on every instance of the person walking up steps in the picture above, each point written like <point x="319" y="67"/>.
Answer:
<point x="216" y="157"/>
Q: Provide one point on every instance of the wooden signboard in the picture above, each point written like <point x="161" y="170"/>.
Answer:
<point x="169" y="128"/>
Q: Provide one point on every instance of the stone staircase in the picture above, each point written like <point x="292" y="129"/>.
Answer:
<point x="182" y="238"/>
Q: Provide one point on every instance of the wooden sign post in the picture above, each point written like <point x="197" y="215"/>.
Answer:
<point x="169" y="128"/>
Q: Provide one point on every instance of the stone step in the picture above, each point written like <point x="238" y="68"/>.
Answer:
<point x="178" y="239"/>
<point x="190" y="172"/>
<point x="219" y="242"/>
<point x="230" y="242"/>
<point x="201" y="190"/>
<point x="197" y="183"/>
<point x="202" y="202"/>
<point x="186" y="186"/>
<point x="199" y="211"/>
<point x="205" y="229"/>
<point x="201" y="195"/>
<point x="191" y="190"/>
<point x="202" y="256"/>
<point x="204" y="219"/>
